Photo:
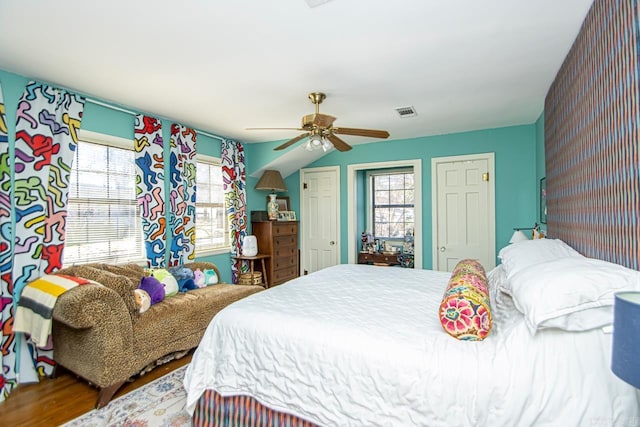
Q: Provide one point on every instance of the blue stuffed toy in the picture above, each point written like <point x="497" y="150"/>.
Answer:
<point x="184" y="277"/>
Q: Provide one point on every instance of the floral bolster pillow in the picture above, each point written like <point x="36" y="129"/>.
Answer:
<point x="465" y="312"/>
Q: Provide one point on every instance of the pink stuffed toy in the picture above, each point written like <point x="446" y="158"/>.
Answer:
<point x="198" y="277"/>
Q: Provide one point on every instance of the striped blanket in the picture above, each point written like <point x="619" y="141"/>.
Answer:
<point x="35" y="306"/>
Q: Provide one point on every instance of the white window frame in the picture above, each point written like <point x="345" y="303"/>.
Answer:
<point x="120" y="143"/>
<point x="211" y="250"/>
<point x="370" y="196"/>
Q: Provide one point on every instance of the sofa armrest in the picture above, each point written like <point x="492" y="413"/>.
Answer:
<point x="93" y="335"/>
<point x="87" y="305"/>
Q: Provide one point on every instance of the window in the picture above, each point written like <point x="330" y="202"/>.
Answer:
<point x="102" y="215"/>
<point x="392" y="203"/>
<point x="211" y="217"/>
<point x="103" y="218"/>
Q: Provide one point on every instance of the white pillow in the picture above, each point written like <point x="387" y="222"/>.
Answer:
<point x="571" y="293"/>
<point x="520" y="255"/>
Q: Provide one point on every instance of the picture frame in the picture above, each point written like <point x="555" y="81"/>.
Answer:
<point x="283" y="203"/>
<point x="286" y="216"/>
<point x="543" y="200"/>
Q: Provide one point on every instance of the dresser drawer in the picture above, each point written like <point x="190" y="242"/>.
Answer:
<point x="285" y="229"/>
<point x="285" y="251"/>
<point x="284" y="274"/>
<point x="364" y="258"/>
<point x="281" y="241"/>
<point x="284" y="262"/>
<point x="377" y="257"/>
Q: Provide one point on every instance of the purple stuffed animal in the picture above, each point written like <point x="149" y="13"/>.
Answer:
<point x="154" y="288"/>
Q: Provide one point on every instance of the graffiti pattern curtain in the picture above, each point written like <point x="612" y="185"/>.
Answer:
<point x="235" y="196"/>
<point x="149" y="148"/>
<point x="47" y="121"/>
<point x="182" y="196"/>
<point x="7" y="353"/>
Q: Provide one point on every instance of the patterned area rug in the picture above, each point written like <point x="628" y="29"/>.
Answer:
<point x="159" y="403"/>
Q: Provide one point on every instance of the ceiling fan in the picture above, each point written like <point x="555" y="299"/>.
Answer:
<point x="321" y="132"/>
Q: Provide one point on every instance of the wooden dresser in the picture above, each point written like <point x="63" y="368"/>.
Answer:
<point x="279" y="240"/>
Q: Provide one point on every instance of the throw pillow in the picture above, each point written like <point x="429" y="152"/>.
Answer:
<point x="465" y="311"/>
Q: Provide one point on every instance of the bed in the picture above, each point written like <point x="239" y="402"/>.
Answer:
<point x="364" y="345"/>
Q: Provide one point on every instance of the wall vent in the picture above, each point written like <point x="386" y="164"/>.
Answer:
<point x="408" y="111"/>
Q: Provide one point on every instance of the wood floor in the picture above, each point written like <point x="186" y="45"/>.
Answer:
<point x="52" y="402"/>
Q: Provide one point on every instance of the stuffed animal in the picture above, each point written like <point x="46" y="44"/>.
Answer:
<point x="143" y="300"/>
<point x="198" y="277"/>
<point x="210" y="277"/>
<point x="170" y="283"/>
<point x="188" y="285"/>
<point x="153" y="287"/>
<point x="184" y="277"/>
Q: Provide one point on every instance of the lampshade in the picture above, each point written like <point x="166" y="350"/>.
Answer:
<point x="625" y="362"/>
<point x="518" y="236"/>
<point x="271" y="181"/>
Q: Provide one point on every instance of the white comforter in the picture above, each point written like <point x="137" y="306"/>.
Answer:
<point x="362" y="345"/>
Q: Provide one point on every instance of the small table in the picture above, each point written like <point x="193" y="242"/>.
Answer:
<point x="251" y="260"/>
<point x="378" y="258"/>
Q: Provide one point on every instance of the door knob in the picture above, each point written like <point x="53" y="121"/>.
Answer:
<point x="332" y="243"/>
<point x="442" y="249"/>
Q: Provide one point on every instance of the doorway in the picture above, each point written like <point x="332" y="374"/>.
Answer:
<point x="319" y="217"/>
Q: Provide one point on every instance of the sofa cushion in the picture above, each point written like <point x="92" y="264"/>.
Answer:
<point x="184" y="314"/>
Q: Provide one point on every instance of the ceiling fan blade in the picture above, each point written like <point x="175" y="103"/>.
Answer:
<point x="373" y="133"/>
<point x="292" y="141"/>
<point x="273" y="129"/>
<point x="338" y="143"/>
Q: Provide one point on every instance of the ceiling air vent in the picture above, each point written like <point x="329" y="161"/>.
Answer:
<point x="406" y="111"/>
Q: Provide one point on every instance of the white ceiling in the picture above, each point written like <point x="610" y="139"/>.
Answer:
<point x="222" y="66"/>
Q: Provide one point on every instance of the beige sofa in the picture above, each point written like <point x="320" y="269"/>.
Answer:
<point x="99" y="334"/>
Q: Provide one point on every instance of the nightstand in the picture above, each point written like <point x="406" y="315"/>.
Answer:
<point x="378" y="258"/>
<point x="252" y="259"/>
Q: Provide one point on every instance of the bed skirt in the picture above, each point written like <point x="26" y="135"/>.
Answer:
<point x="213" y="409"/>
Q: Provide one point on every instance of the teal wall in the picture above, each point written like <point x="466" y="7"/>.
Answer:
<point x="515" y="169"/>
<point x="105" y="120"/>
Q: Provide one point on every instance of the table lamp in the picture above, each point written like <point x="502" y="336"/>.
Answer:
<point x="518" y="236"/>
<point x="625" y="358"/>
<point x="271" y="180"/>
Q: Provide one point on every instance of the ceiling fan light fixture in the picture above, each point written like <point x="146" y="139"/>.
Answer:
<point x="326" y="145"/>
<point x="316" y="140"/>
